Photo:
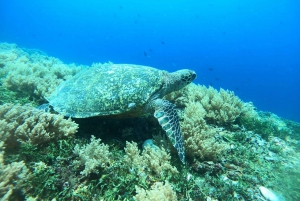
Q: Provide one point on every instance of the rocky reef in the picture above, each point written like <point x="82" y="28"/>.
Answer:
<point x="233" y="151"/>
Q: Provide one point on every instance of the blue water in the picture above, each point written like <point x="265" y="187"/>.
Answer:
<point x="251" y="47"/>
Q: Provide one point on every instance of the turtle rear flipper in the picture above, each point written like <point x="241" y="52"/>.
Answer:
<point x="44" y="107"/>
<point x="167" y="117"/>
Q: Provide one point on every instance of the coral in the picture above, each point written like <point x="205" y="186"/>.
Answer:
<point x="150" y="160"/>
<point x="158" y="191"/>
<point x="204" y="145"/>
<point x="32" y="72"/>
<point x="200" y="141"/>
<point x="12" y="175"/>
<point x="193" y="117"/>
<point x="204" y="107"/>
<point x="93" y="156"/>
<point x="26" y="124"/>
<point x="221" y="108"/>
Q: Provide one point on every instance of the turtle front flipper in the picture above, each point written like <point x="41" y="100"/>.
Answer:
<point x="168" y="119"/>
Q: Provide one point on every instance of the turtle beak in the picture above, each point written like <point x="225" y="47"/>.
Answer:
<point x="193" y="75"/>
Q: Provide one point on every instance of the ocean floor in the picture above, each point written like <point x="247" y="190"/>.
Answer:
<point x="233" y="151"/>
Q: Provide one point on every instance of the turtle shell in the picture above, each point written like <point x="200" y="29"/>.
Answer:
<point x="108" y="89"/>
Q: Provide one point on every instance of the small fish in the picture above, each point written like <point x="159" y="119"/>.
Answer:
<point x="145" y="54"/>
<point x="211" y="69"/>
<point x="162" y="42"/>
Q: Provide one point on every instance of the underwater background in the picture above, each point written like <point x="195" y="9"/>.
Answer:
<point x="251" y="47"/>
<point x="239" y="119"/>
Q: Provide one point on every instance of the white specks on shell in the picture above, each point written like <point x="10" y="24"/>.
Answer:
<point x="107" y="89"/>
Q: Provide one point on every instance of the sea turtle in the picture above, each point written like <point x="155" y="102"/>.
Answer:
<point x="124" y="90"/>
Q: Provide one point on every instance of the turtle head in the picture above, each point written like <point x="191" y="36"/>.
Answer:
<point x="178" y="79"/>
<point x="185" y="76"/>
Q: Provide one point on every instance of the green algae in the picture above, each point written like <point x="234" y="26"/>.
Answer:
<point x="54" y="176"/>
<point x="266" y="124"/>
